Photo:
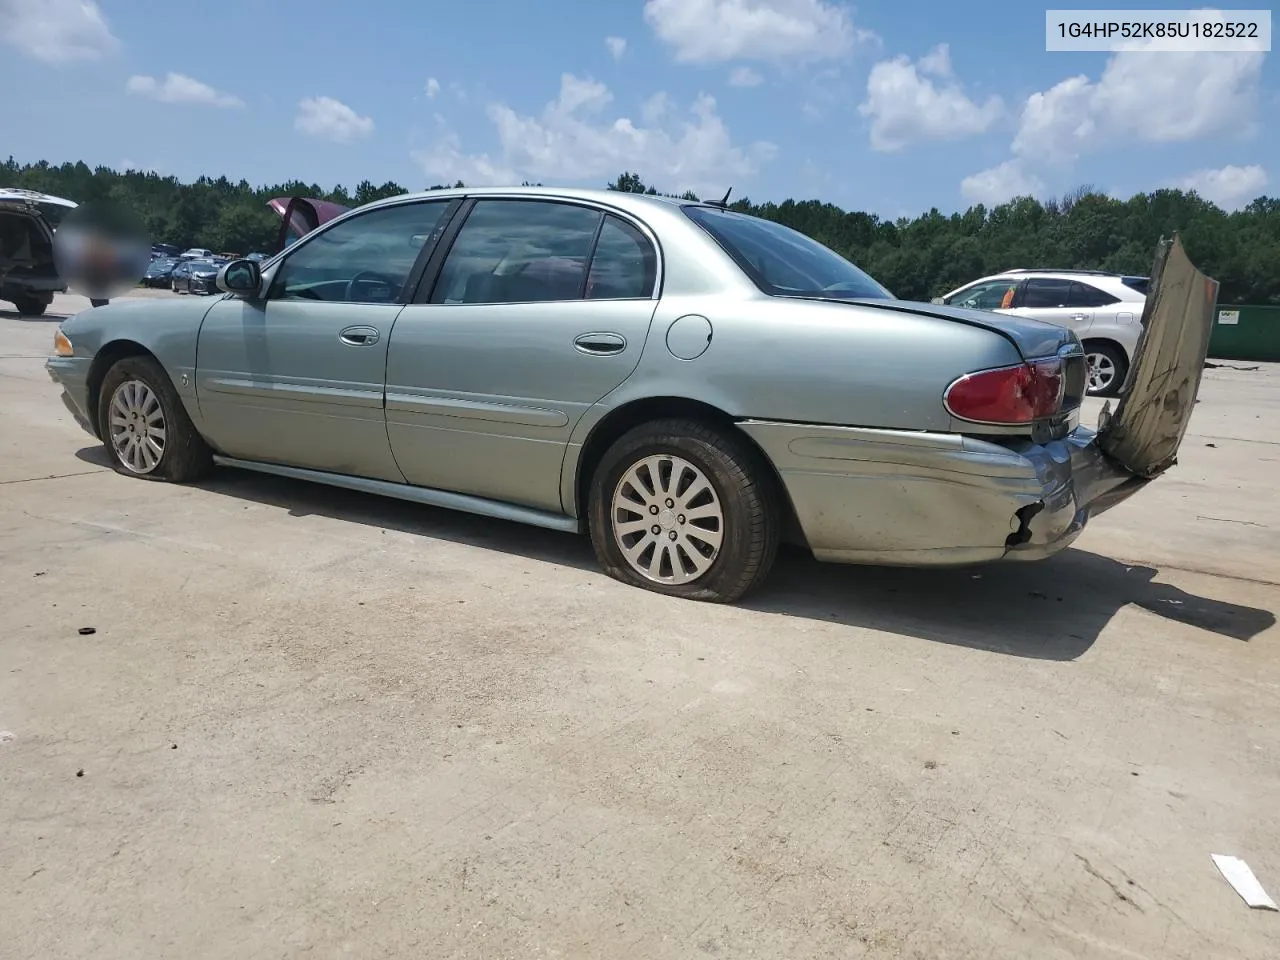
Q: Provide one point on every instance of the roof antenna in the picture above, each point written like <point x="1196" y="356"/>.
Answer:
<point x="723" y="202"/>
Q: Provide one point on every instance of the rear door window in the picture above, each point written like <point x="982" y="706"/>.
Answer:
<point x="624" y="265"/>
<point x="520" y="251"/>
<point x="1087" y="295"/>
<point x="1046" y="293"/>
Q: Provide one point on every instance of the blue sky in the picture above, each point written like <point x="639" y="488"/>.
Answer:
<point x="887" y="107"/>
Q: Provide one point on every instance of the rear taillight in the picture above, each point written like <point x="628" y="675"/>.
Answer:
<point x="1012" y="395"/>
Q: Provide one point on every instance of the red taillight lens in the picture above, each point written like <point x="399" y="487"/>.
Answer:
<point x="1021" y="394"/>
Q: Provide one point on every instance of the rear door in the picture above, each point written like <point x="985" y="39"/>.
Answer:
<point x="1144" y="433"/>
<point x="539" y="308"/>
<point x="1051" y="299"/>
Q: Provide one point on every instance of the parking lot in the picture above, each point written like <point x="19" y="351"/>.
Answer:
<point x="313" y="722"/>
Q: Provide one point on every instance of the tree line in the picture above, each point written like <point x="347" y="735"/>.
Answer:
<point x="917" y="258"/>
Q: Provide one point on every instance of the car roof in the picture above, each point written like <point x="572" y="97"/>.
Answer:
<point x="1112" y="283"/>
<point x="624" y="200"/>
<point x="34" y="196"/>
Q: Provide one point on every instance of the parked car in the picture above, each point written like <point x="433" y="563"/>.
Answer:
<point x="196" y="253"/>
<point x="257" y="256"/>
<point x="685" y="384"/>
<point x="159" y="272"/>
<point x="1104" y="309"/>
<point x="28" y="274"/>
<point x="195" y="276"/>
<point x="164" y="251"/>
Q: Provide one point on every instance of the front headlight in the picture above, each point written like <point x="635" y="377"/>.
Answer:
<point x="61" y="345"/>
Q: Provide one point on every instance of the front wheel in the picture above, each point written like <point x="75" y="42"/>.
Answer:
<point x="145" y="427"/>
<point x="685" y="509"/>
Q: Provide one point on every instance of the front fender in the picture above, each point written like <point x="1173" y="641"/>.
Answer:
<point x="167" y="329"/>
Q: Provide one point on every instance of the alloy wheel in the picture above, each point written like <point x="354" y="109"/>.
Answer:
<point x="137" y="426"/>
<point x="667" y="519"/>
<point x="1102" y="372"/>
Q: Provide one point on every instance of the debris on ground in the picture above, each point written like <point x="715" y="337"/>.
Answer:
<point x="88" y="631"/>
<point x="1237" y="873"/>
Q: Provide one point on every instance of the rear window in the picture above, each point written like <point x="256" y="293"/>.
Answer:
<point x="1139" y="284"/>
<point x="783" y="262"/>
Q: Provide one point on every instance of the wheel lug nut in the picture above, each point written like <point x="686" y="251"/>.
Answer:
<point x="680" y="518"/>
<point x="670" y="502"/>
<point x="672" y="534"/>
<point x="653" y="508"/>
<point x="656" y="529"/>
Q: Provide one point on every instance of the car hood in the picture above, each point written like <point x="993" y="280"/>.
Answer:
<point x="1033" y="338"/>
<point x="1159" y="395"/>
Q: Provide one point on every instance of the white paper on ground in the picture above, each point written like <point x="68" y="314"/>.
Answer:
<point x="1243" y="881"/>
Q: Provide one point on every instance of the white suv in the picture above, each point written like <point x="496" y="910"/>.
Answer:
<point x="1104" y="310"/>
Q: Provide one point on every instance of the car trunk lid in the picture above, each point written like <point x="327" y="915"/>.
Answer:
<point x="1034" y="339"/>
<point x="300" y="215"/>
<point x="1159" y="395"/>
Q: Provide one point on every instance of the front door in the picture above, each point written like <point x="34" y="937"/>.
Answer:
<point x="296" y="378"/>
<point x="540" y="308"/>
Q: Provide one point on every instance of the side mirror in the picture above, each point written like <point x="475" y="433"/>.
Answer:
<point x="241" y="278"/>
<point x="937" y="300"/>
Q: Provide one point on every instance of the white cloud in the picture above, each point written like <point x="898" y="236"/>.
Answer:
<point x="178" y="88"/>
<point x="576" y="139"/>
<point x="57" y="31"/>
<point x="713" y="31"/>
<point x="617" y="46"/>
<point x="908" y="103"/>
<point x="1163" y="97"/>
<point x="1230" y="187"/>
<point x="331" y="119"/>
<point x="745" y="77"/>
<point x="1000" y="184"/>
<point x="433" y="88"/>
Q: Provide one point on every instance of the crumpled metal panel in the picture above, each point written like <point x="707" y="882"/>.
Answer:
<point x="1144" y="433"/>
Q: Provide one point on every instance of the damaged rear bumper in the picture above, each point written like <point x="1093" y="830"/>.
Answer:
<point x="928" y="499"/>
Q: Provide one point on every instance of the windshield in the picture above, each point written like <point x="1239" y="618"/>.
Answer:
<point x="783" y="262"/>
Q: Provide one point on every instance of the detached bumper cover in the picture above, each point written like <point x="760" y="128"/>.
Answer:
<point x="902" y="498"/>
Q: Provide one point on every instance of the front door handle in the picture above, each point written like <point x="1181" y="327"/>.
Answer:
<point x="359" y="336"/>
<point x="600" y="344"/>
<point x="1079" y="316"/>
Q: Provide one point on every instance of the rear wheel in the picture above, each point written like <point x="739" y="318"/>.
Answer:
<point x="145" y="427"/>
<point x="30" y="306"/>
<point x="1107" y="368"/>
<point x="682" y="508"/>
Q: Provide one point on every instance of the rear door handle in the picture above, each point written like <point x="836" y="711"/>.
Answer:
<point x="600" y="344"/>
<point x="359" y="336"/>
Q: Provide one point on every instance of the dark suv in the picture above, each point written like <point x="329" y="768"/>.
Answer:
<point x="28" y="276"/>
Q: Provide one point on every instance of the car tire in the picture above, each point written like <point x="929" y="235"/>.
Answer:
<point x="742" y="502"/>
<point x="183" y="455"/>
<point x="1112" y="368"/>
<point x="30" y="306"/>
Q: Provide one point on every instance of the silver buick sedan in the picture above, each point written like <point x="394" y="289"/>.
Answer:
<point x="685" y="384"/>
